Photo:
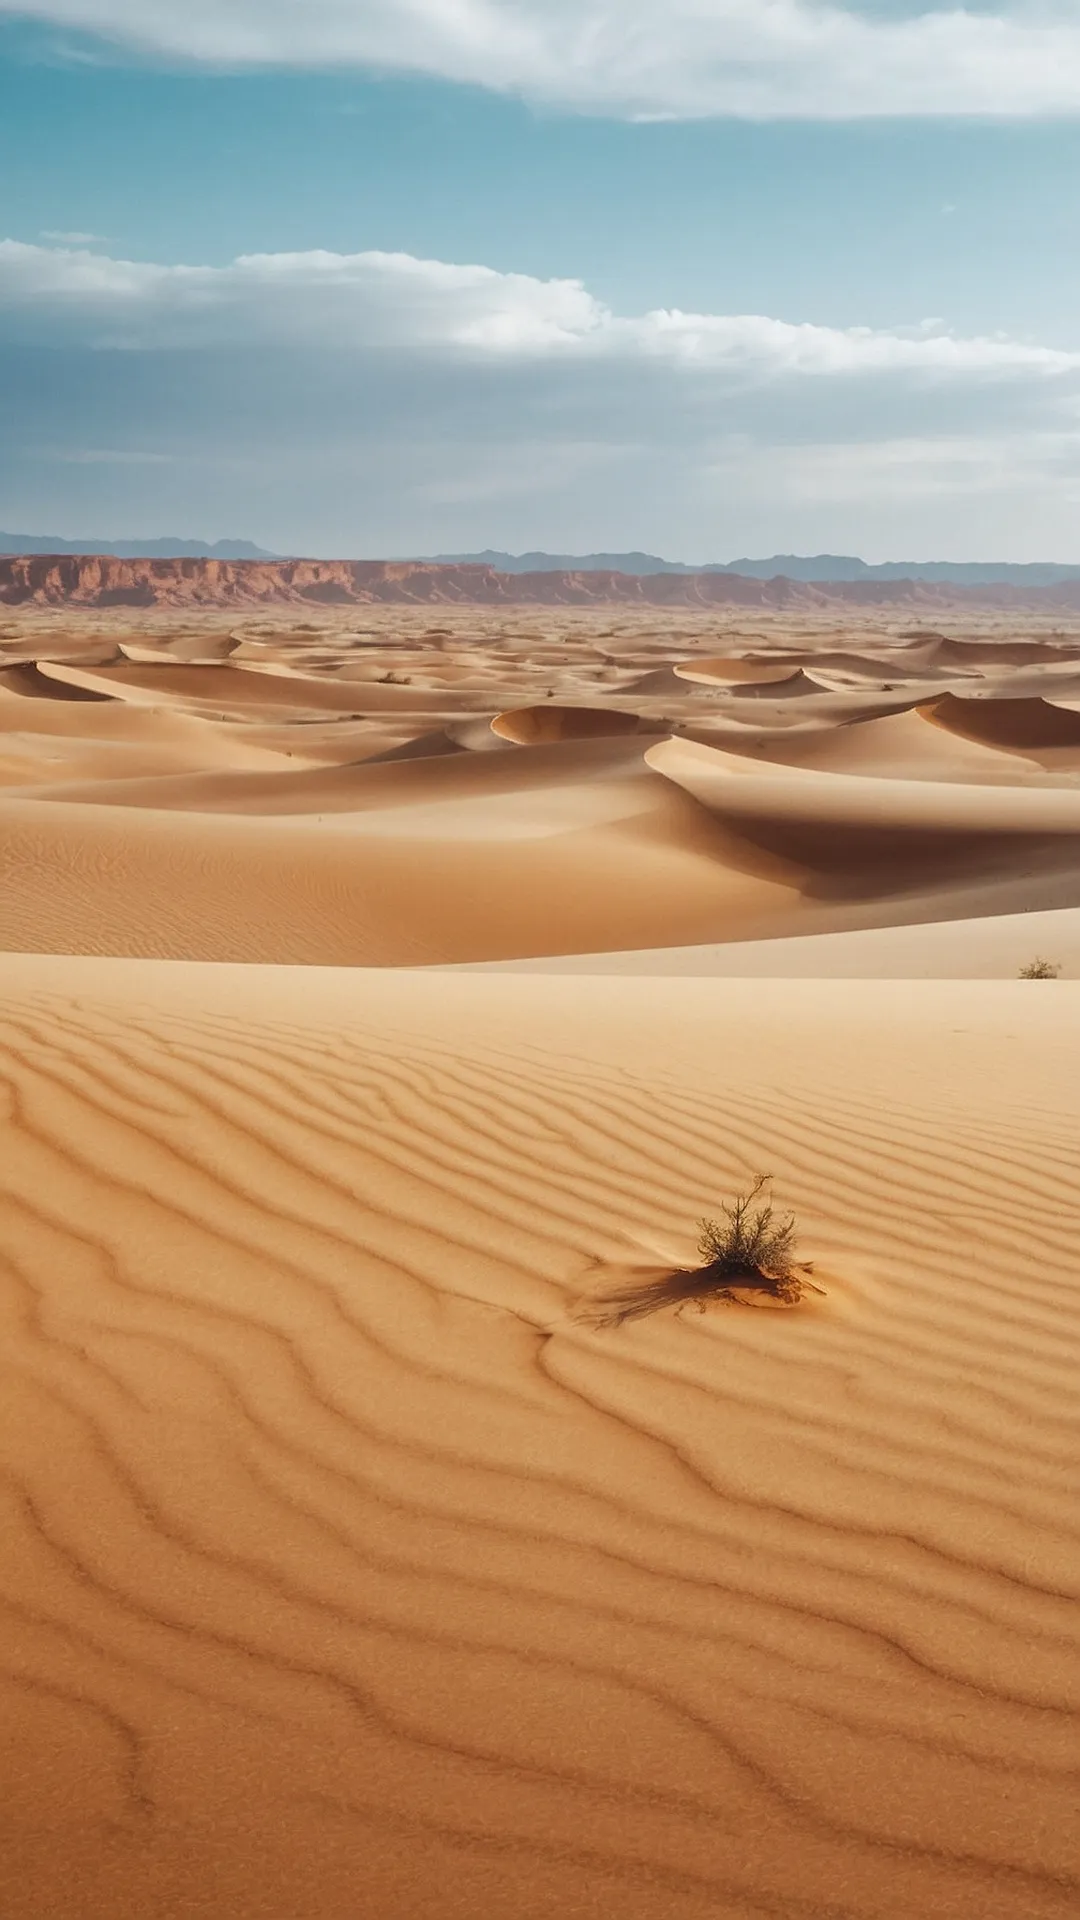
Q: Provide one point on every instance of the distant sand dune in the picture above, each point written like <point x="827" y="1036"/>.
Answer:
<point x="780" y="684"/>
<point x="956" y="651"/>
<point x="48" y="682"/>
<point x="498" y="787"/>
<point x="202" y="648"/>
<point x="225" y="687"/>
<point x="742" y="673"/>
<point x="748" y="790"/>
<point x="357" y="880"/>
<point x="533" y="726"/>
<point x="897" y="746"/>
<point x="1008" y="723"/>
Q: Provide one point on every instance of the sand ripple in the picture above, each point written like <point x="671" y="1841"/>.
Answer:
<point x="340" y="1557"/>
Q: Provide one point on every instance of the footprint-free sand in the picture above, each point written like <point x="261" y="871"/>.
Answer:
<point x="348" y="1044"/>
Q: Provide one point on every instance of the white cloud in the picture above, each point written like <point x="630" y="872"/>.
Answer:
<point x="919" y="470"/>
<point x="683" y="58"/>
<point x="376" y="403"/>
<point x="395" y="304"/>
<point x="72" y="239"/>
<point x="360" y="299"/>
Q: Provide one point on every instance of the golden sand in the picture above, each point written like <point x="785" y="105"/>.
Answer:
<point x="346" y="1570"/>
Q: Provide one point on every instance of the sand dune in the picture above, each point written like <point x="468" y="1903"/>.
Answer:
<point x="895" y="666"/>
<point x="747" y="791"/>
<point x="793" y="684"/>
<point x="48" y="681"/>
<point x="987" y="947"/>
<point x="900" y="745"/>
<point x="963" y="651"/>
<point x="1008" y="724"/>
<point x="198" y="648"/>
<point x="811" y="708"/>
<point x="346" y="1572"/>
<point x="530" y="866"/>
<point x="532" y="726"/>
<point x="405" y="793"/>
<point x="226" y="687"/>
<point x="930" y="849"/>
<point x="53" y="740"/>
<point x="738" y="672"/>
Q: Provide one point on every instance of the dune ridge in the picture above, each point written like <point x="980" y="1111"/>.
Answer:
<point x="406" y="786"/>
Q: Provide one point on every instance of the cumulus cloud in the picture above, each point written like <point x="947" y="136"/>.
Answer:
<point x="396" y="304"/>
<point x="377" y="403"/>
<point x="681" y="58"/>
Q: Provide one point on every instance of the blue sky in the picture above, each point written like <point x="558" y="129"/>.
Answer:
<point x="872" y="339"/>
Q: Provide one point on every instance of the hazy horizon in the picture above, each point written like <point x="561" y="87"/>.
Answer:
<point x="16" y="546"/>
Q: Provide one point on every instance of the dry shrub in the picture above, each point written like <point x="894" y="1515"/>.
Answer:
<point x="1039" y="969"/>
<point x="749" y="1250"/>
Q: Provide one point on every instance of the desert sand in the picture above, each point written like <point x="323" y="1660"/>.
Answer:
<point x="380" y="988"/>
<point x="437" y="785"/>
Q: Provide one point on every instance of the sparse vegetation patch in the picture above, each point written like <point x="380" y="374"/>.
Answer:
<point x="750" y="1249"/>
<point x="1039" y="969"/>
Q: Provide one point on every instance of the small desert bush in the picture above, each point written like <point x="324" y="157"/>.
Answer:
<point x="1039" y="969"/>
<point x="751" y="1249"/>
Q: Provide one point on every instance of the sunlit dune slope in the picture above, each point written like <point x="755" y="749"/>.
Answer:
<point x="442" y="861"/>
<point x="415" y="785"/>
<point x="346" y="1573"/>
<point x="808" y="797"/>
<point x="238" y="689"/>
<point x="898" y="746"/>
<point x="972" y="946"/>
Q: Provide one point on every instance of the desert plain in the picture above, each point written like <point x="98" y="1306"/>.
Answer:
<point x="383" y="981"/>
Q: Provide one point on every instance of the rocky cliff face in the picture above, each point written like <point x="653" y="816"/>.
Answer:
<point x="98" y="580"/>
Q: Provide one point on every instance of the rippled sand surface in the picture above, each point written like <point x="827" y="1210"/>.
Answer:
<point x="346" y="1570"/>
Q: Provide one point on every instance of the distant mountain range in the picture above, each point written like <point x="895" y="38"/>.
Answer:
<point x="107" y="580"/>
<point x="788" y="566"/>
<point x="136" y="549"/>
<point x="819" y="568"/>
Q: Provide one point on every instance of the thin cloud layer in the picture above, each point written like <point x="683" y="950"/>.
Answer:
<point x="641" y="58"/>
<point x="377" y="403"/>
<point x="395" y="304"/>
